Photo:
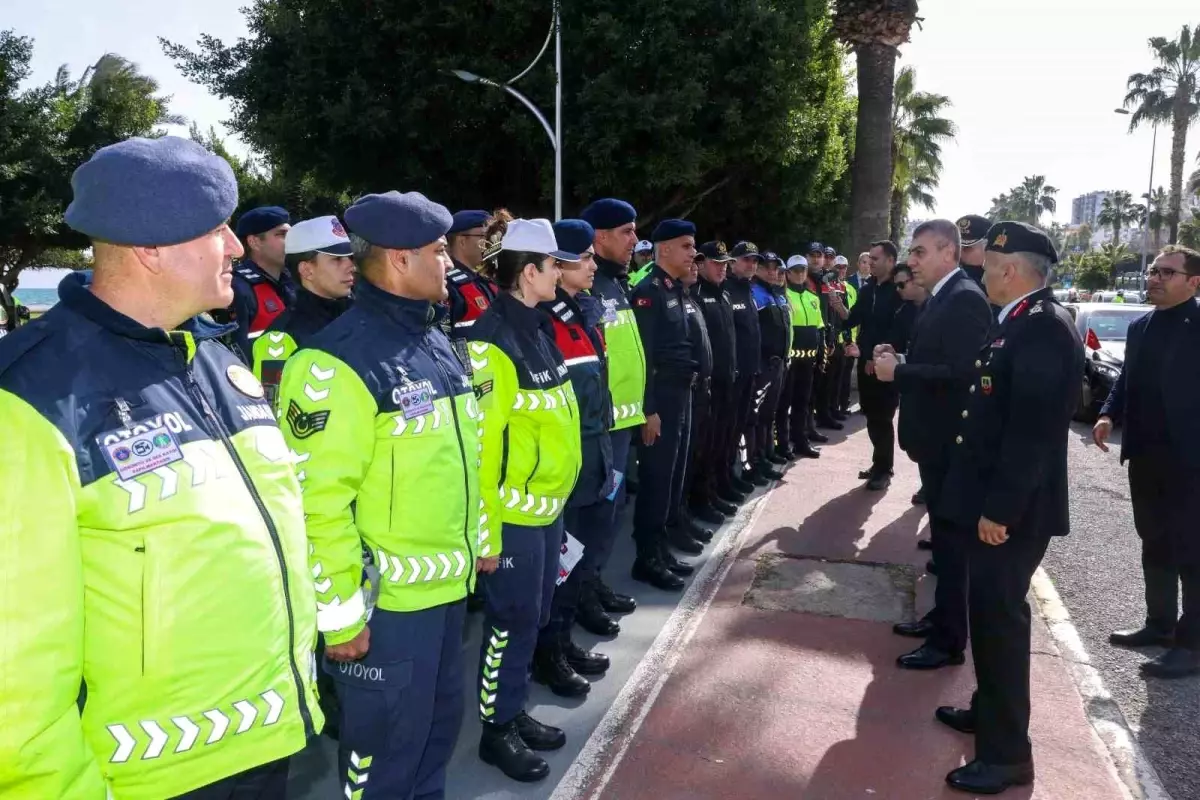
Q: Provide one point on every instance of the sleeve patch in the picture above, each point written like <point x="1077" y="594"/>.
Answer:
<point x="304" y="424"/>
<point x="642" y="302"/>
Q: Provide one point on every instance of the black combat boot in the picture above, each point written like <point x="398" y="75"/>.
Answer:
<point x="550" y="668"/>
<point x="613" y="602"/>
<point x="502" y="746"/>
<point x="583" y="661"/>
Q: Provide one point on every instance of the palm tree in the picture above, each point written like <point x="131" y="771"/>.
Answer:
<point x="1170" y="93"/>
<point x="1002" y="208"/>
<point x="1119" y="210"/>
<point x="1193" y="184"/>
<point x="1033" y="198"/>
<point x="874" y="29"/>
<point x="1157" y="218"/>
<point x="1189" y="231"/>
<point x="918" y="131"/>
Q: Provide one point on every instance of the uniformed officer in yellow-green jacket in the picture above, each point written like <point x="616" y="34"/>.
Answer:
<point x="850" y="336"/>
<point x="317" y="254"/>
<point x="807" y="327"/>
<point x="155" y="563"/>
<point x="384" y="425"/>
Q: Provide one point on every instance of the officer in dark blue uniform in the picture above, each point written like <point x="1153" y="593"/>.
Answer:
<point x="775" y="324"/>
<point x="262" y="287"/>
<point x="693" y="519"/>
<point x="1008" y="484"/>
<point x="670" y="375"/>
<point x="973" y="229"/>
<point x="748" y="336"/>
<point x="470" y="291"/>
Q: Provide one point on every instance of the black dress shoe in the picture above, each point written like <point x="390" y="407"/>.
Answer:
<point x="778" y="460"/>
<point x="730" y="495"/>
<point x="682" y="540"/>
<point x="1178" y="662"/>
<point x="537" y="735"/>
<point x="829" y="422"/>
<point x="590" y="616"/>
<point x="674" y="565"/>
<point x="585" y="662"/>
<point x="931" y="567"/>
<point x="839" y="415"/>
<point x="818" y="437"/>
<point x="502" y="746"/>
<point x="918" y="499"/>
<point x="767" y="470"/>
<point x="655" y="573"/>
<point x="613" y="602"/>
<point x="879" y="483"/>
<point x="551" y="669"/>
<point x="929" y="657"/>
<point x="723" y="507"/>
<point x="924" y="544"/>
<point x="921" y="629"/>
<point x="961" y="719"/>
<point x="757" y="479"/>
<point x="1142" y="637"/>
<point x="808" y="451"/>
<point x="980" y="778"/>
<point x="787" y="454"/>
<point x="741" y="484"/>
<point x="707" y="513"/>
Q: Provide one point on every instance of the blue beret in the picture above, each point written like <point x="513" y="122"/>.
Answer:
<point x="574" y="235"/>
<point x="260" y="220"/>
<point x="608" y="213"/>
<point x="672" y="229"/>
<point x="466" y="220"/>
<point x="398" y="221"/>
<point x="151" y="192"/>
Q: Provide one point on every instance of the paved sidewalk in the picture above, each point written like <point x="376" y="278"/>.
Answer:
<point x="765" y="700"/>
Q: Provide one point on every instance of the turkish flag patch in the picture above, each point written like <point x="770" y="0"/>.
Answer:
<point x="644" y="302"/>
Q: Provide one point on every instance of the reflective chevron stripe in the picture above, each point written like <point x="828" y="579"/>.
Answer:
<point x="438" y="566"/>
<point x="626" y="411"/>
<point x="152" y="737"/>
<point x="334" y="615"/>
<point x="357" y="775"/>
<point x="489" y="673"/>
<point x="538" y="505"/>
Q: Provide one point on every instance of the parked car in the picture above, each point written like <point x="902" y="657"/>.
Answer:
<point x="1131" y="296"/>
<point x="1103" y="328"/>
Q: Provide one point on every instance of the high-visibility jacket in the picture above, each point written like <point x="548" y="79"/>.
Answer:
<point x="290" y="331"/>
<point x="626" y="356"/>
<point x="807" y="322"/>
<point x="530" y="457"/>
<point x="639" y="274"/>
<point x="851" y="300"/>
<point x="384" y="425"/>
<point x="181" y="588"/>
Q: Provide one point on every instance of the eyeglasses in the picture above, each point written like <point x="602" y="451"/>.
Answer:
<point x="1166" y="273"/>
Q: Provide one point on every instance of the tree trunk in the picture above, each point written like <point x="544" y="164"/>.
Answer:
<point x="871" y="173"/>
<point x="1179" y="125"/>
<point x="897" y="217"/>
<point x="1116" y="233"/>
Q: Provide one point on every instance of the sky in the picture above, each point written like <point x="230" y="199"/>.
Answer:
<point x="1033" y="82"/>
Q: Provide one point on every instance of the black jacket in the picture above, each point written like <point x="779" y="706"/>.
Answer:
<point x="1009" y="463"/>
<point x="1180" y="391"/>
<point x="951" y="329"/>
<point x="875" y="315"/>
<point x="774" y="321"/>
<point x="748" y="337"/>
<point x="308" y="316"/>
<point x="718" y="318"/>
<point x="698" y="335"/>
<point x="662" y="324"/>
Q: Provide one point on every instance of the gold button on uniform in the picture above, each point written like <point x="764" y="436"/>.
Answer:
<point x="958" y="440"/>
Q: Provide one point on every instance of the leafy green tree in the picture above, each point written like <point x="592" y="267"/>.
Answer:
<point x="1092" y="272"/>
<point x="733" y="112"/>
<point x="1119" y="210"/>
<point x="1170" y="93"/>
<point x="48" y="131"/>
<point x="874" y="29"/>
<point x="918" y="132"/>
<point x="1189" y="231"/>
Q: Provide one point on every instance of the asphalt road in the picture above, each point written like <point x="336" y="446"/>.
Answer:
<point x="1098" y="575"/>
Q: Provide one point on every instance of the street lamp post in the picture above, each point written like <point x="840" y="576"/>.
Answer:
<point x="555" y="132"/>
<point x="1149" y="195"/>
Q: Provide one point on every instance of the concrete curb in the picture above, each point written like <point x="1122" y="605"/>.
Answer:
<point x="597" y="762"/>
<point x="1137" y="775"/>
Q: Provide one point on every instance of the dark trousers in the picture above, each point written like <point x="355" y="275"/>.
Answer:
<point x="518" y="595"/>
<point x="1166" y="513"/>
<point x="799" y="418"/>
<point x="622" y="446"/>
<point x="781" y="429"/>
<point x="698" y="486"/>
<point x="402" y="703"/>
<point x="879" y="401"/>
<point x="662" y="465"/>
<point x="743" y="414"/>
<point x="826" y="401"/>
<point x="843" y="397"/>
<point x="713" y="451"/>
<point x="951" y="547"/>
<point x="759" y="435"/>
<point x="1000" y="625"/>
<point x="265" y="782"/>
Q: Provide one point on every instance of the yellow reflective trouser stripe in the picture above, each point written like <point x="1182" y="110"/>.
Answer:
<point x="357" y="775"/>
<point x="489" y="679"/>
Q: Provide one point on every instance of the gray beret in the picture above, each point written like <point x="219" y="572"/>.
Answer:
<point x="398" y="221"/>
<point x="151" y="192"/>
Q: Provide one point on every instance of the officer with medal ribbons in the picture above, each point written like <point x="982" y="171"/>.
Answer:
<point x="317" y="256"/>
<point x="531" y="459"/>
<point x="156" y="540"/>
<point x="1008" y="482"/>
<point x="670" y="376"/>
<point x="379" y="411"/>
<point x="615" y="221"/>
<point x="262" y="288"/>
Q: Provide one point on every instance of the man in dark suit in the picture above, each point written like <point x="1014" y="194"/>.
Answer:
<point x="952" y="327"/>
<point x="1156" y="397"/>
<point x="1008" y="480"/>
